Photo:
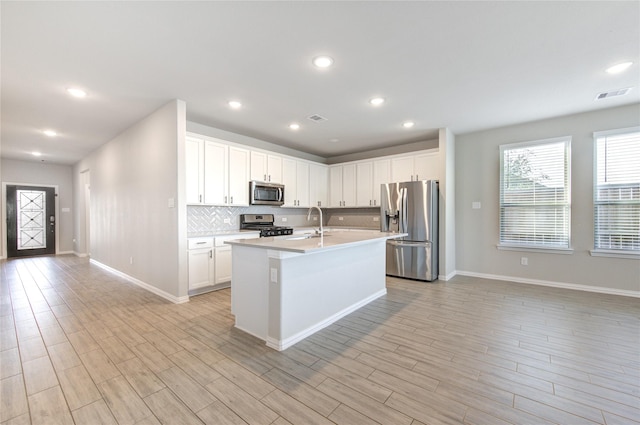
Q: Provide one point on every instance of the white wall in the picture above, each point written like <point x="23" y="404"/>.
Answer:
<point x="133" y="177"/>
<point x="38" y="173"/>
<point x="477" y="179"/>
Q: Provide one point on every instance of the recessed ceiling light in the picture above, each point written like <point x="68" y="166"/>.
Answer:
<point x="408" y="124"/>
<point x="334" y="140"/>
<point x="323" y="61"/>
<point x="36" y="153"/>
<point x="377" y="101"/>
<point x="50" y="133"/>
<point x="75" y="92"/>
<point x="616" y="69"/>
<point x="294" y="126"/>
<point x="234" y="104"/>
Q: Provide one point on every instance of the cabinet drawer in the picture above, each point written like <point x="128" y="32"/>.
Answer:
<point x="199" y="243"/>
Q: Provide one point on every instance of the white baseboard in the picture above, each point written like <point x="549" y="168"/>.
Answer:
<point x="64" y="252"/>
<point x="447" y="277"/>
<point x="80" y="254"/>
<point x="143" y="285"/>
<point x="286" y="343"/>
<point x="574" y="286"/>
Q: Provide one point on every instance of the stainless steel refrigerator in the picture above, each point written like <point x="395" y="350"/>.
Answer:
<point x="411" y="207"/>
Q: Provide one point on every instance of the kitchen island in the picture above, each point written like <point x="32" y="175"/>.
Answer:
<point x="286" y="288"/>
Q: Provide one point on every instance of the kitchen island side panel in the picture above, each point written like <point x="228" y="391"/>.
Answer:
<point x="315" y="290"/>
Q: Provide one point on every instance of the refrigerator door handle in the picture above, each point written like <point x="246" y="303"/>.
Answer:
<point x="403" y="213"/>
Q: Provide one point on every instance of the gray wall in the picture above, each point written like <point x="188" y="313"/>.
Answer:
<point x="477" y="179"/>
<point x="38" y="173"/>
<point x="133" y="178"/>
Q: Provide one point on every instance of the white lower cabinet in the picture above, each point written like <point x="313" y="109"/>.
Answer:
<point x="200" y="262"/>
<point x="210" y="262"/>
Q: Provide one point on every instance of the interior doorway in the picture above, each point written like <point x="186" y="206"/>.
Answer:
<point x="31" y="221"/>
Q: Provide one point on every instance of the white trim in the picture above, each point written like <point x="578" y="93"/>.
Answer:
<point x="65" y="252"/>
<point x="563" y="285"/>
<point x="447" y="277"/>
<point x="280" y="345"/>
<point x="80" y="254"/>
<point x="615" y="132"/>
<point x="611" y="253"/>
<point x="546" y="250"/>
<point x="143" y="285"/>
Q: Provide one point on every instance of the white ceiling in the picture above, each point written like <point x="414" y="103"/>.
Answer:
<point x="464" y="65"/>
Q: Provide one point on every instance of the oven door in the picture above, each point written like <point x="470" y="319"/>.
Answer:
<point x="266" y="193"/>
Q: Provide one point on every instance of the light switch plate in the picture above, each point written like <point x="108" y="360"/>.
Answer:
<point x="274" y="275"/>
<point x="476" y="205"/>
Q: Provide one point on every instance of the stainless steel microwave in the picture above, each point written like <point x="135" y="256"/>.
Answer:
<point x="263" y="193"/>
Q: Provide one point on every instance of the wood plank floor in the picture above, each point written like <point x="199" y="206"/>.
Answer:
<point x="79" y="345"/>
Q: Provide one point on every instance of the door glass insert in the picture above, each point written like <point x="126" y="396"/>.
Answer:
<point x="31" y="212"/>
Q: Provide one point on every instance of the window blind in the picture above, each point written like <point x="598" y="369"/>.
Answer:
<point x="617" y="192"/>
<point x="535" y="208"/>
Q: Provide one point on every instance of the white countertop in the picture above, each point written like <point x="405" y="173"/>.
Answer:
<point x="330" y="240"/>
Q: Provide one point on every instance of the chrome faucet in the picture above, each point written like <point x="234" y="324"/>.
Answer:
<point x="319" y="231"/>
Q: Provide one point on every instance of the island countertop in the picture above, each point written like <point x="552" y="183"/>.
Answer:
<point x="309" y="243"/>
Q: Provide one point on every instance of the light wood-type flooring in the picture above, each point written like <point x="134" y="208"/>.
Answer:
<point x="80" y="345"/>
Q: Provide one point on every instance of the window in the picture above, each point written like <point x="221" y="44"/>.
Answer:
<point x="535" y="207"/>
<point x="617" y="191"/>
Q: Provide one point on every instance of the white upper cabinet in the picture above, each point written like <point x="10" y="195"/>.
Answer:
<point x="216" y="186"/>
<point x="381" y="175"/>
<point x="295" y="177"/>
<point x="413" y="167"/>
<point x="266" y="167"/>
<point x="222" y="173"/>
<point x="342" y="185"/>
<point x="364" y="184"/>
<point x="318" y="184"/>
<point x="238" y="176"/>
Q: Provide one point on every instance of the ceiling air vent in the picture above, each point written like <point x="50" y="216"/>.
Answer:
<point x="614" y="93"/>
<point x="317" y="118"/>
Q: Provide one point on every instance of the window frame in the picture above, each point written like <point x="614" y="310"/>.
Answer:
<point x="604" y="252"/>
<point x="556" y="249"/>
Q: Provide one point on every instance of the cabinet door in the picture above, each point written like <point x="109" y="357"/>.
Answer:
<point x="199" y="267"/>
<point x="258" y="166"/>
<point x="349" y="185"/>
<point x="302" y="183"/>
<point x="238" y="176"/>
<point x="274" y="168"/>
<point x="215" y="173"/>
<point x="222" y="264"/>
<point x="402" y="169"/>
<point x="364" y="184"/>
<point x="335" y="186"/>
<point x="426" y="166"/>
<point x="194" y="174"/>
<point x="318" y="184"/>
<point x="381" y="175"/>
<point x="289" y="181"/>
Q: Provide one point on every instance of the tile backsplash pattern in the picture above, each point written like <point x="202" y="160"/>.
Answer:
<point x="202" y="220"/>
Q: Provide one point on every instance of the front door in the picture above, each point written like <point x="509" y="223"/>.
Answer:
<point x="31" y="221"/>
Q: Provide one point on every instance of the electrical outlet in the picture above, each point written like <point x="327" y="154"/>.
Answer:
<point x="315" y="218"/>
<point x="284" y="219"/>
<point x="130" y="260"/>
<point x="227" y="221"/>
<point x="340" y="218"/>
<point x="376" y="218"/>
<point x="274" y="275"/>
<point x="476" y="205"/>
<point x="524" y="261"/>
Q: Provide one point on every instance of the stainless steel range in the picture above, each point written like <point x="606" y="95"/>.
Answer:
<point x="263" y="223"/>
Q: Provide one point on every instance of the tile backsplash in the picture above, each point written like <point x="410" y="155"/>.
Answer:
<point x="207" y="219"/>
